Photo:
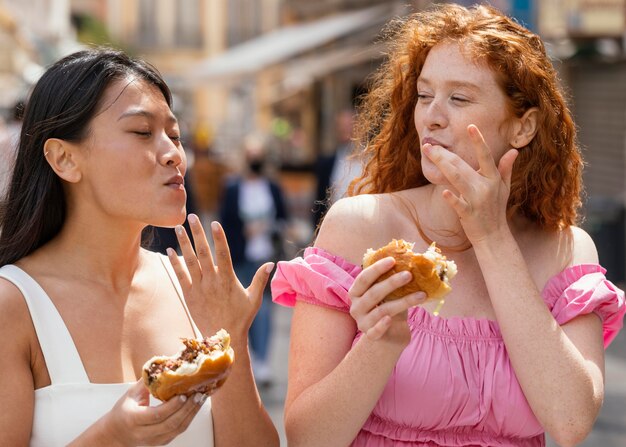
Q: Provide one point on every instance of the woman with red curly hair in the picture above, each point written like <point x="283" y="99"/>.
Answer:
<point x="467" y="141"/>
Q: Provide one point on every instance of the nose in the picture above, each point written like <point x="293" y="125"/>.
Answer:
<point x="172" y="154"/>
<point x="435" y="114"/>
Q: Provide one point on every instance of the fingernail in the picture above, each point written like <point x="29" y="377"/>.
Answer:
<point x="179" y="229"/>
<point x="215" y="226"/>
<point x="197" y="398"/>
<point x="269" y="267"/>
<point x="183" y="398"/>
<point x="405" y="275"/>
<point x="192" y="218"/>
<point x="170" y="251"/>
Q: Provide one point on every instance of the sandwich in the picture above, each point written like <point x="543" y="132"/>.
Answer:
<point x="201" y="366"/>
<point x="431" y="270"/>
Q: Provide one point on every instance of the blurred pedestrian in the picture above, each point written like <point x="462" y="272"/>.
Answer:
<point x="255" y="217"/>
<point x="335" y="171"/>
<point x="468" y="142"/>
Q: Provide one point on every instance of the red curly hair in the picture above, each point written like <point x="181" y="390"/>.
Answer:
<point x="546" y="183"/>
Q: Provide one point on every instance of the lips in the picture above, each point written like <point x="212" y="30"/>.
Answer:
<point x="433" y="142"/>
<point x="176" y="181"/>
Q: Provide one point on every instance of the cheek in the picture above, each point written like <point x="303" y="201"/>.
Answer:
<point x="495" y="134"/>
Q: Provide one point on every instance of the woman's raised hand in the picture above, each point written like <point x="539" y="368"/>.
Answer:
<point x="480" y="196"/>
<point x="377" y="320"/>
<point x="214" y="295"/>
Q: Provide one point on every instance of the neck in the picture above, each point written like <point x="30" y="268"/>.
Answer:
<point x="440" y="223"/>
<point x="107" y="255"/>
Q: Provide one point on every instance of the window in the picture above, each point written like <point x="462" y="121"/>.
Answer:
<point x="147" y="30"/>
<point x="188" y="30"/>
<point x="244" y="20"/>
<point x="166" y="24"/>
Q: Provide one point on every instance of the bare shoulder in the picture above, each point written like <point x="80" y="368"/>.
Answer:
<point x="16" y="389"/>
<point x="15" y="322"/>
<point x="350" y="226"/>
<point x="550" y="252"/>
<point x="583" y="248"/>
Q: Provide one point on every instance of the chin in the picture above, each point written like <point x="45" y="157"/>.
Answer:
<point x="433" y="175"/>
<point x="170" y="220"/>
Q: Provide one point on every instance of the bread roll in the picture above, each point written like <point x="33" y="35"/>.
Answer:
<point x="431" y="270"/>
<point x="202" y="366"/>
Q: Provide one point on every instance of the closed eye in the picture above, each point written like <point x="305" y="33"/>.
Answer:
<point x="459" y="99"/>
<point x="423" y="98"/>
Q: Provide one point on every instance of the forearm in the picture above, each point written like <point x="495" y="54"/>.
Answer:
<point x="238" y="400"/>
<point x="95" y="436"/>
<point x="558" y="382"/>
<point x="332" y="411"/>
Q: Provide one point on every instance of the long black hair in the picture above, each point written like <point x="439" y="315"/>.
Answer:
<point x="61" y="105"/>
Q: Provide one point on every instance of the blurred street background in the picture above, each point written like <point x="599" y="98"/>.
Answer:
<point x="290" y="72"/>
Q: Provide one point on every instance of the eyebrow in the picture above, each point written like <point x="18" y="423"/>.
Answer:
<point x="142" y="112"/>
<point x="454" y="84"/>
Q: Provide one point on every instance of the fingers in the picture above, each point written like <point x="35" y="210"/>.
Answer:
<point x="178" y="421"/>
<point x="505" y="167"/>
<point x="454" y="168"/>
<point x="370" y="318"/>
<point x="155" y="415"/>
<point x="222" y="252"/>
<point x="173" y="412"/>
<point x="367" y="310"/>
<point x="139" y="393"/>
<point x="375" y="294"/>
<point x="260" y="281"/>
<point x="486" y="164"/>
<point x="369" y="276"/>
<point x="189" y="255"/>
<point x="203" y="250"/>
<point x="181" y="271"/>
<point x="460" y="205"/>
<point x="379" y="329"/>
<point x="160" y="424"/>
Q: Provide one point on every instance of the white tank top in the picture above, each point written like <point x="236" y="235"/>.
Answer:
<point x="71" y="403"/>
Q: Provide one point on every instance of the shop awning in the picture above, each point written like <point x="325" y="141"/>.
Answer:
<point x="302" y="71"/>
<point x="284" y="43"/>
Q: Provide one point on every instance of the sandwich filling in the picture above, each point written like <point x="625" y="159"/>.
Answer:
<point x="446" y="270"/>
<point x="193" y="354"/>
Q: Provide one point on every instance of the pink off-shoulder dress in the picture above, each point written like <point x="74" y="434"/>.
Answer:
<point x="454" y="384"/>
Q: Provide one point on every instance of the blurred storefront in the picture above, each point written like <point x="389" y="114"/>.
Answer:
<point x="291" y="81"/>
<point x="286" y="67"/>
<point x="588" y="37"/>
<point x="32" y="35"/>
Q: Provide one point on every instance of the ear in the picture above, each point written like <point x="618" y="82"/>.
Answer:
<point x="62" y="157"/>
<point x="525" y="128"/>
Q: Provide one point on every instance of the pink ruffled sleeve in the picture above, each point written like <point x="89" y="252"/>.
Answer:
<point x="317" y="277"/>
<point x="582" y="289"/>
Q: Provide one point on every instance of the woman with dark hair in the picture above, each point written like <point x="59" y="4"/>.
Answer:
<point x="82" y="305"/>
<point x="467" y="141"/>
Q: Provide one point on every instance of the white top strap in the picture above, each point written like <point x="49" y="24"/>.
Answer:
<point x="62" y="359"/>
<point x="179" y="290"/>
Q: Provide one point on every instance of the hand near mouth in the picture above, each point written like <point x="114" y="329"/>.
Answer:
<point x="480" y="197"/>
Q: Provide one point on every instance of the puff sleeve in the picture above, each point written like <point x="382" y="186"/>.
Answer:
<point x="583" y="289"/>
<point x="318" y="277"/>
